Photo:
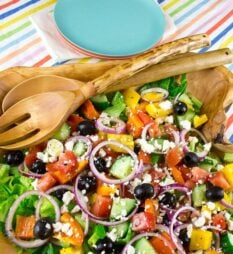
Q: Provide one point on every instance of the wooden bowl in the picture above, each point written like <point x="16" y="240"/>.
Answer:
<point x="214" y="87"/>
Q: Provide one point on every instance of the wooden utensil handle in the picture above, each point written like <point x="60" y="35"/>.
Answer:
<point x="83" y="72"/>
<point x="183" y="64"/>
<point x="153" y="56"/>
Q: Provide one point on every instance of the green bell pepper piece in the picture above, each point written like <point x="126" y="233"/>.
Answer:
<point x="99" y="232"/>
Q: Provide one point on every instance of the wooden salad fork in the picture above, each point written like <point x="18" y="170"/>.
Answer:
<point x="34" y="119"/>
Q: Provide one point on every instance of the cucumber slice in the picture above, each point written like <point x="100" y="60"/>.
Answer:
<point x="121" y="207"/>
<point x="198" y="195"/>
<point x="144" y="246"/>
<point x="209" y="163"/>
<point x="116" y="110"/>
<point x="100" y="101"/>
<point x="120" y="230"/>
<point x="189" y="115"/>
<point x="186" y="99"/>
<point x="118" y="98"/>
<point x="122" y="167"/>
<point x="80" y="148"/>
<point x="54" y="147"/>
<point x="63" y="133"/>
<point x="79" y="218"/>
<point x="196" y="103"/>
<point x="228" y="157"/>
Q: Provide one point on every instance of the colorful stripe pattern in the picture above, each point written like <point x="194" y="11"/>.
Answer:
<point x="21" y="45"/>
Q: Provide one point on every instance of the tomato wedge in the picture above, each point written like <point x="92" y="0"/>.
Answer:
<point x="66" y="163"/>
<point x="174" y="156"/>
<point x="219" y="180"/>
<point x="143" y="222"/>
<point x="219" y="220"/>
<point x="102" y="206"/>
<point x="46" y="182"/>
<point x="73" y="121"/>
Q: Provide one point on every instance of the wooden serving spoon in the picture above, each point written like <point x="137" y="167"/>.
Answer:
<point x="36" y="118"/>
<point x="182" y="64"/>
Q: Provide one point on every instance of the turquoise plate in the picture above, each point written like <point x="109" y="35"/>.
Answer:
<point x="111" y="27"/>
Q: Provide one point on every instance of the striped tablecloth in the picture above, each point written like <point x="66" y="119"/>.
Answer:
<point x="20" y="44"/>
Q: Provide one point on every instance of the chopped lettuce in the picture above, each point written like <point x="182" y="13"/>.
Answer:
<point x="47" y="209"/>
<point x="12" y="185"/>
<point x="172" y="85"/>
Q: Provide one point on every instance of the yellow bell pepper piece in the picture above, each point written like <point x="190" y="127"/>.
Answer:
<point x="131" y="97"/>
<point x="228" y="173"/>
<point x="227" y="199"/>
<point x="72" y="250"/>
<point x="124" y="139"/>
<point x="152" y="96"/>
<point x="106" y="190"/>
<point x="200" y="240"/>
<point x="155" y="111"/>
<point x="212" y="252"/>
<point x="199" y="120"/>
<point x="102" y="134"/>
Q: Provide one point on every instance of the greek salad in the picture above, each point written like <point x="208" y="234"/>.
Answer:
<point x="129" y="172"/>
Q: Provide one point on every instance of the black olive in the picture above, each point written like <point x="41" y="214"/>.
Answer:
<point x="105" y="246"/>
<point x="59" y="193"/>
<point x="14" y="158"/>
<point x="43" y="228"/>
<point x="166" y="220"/>
<point x="100" y="164"/>
<point x="38" y="167"/>
<point x="180" y="108"/>
<point x="168" y="199"/>
<point x="143" y="191"/>
<point x="137" y="148"/>
<point x="87" y="183"/>
<point x="183" y="236"/>
<point x="86" y="127"/>
<point x="191" y="159"/>
<point x="214" y="194"/>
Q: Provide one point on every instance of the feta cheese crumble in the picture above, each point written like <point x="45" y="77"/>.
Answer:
<point x="165" y="105"/>
<point x="67" y="197"/>
<point x="185" y="124"/>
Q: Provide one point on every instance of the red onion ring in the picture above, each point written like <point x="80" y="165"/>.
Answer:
<point x="149" y="234"/>
<point x="91" y="216"/>
<point x="212" y="228"/>
<point x="176" y="136"/>
<point x="182" y="226"/>
<point x="186" y="149"/>
<point x="173" y="222"/>
<point x="101" y="176"/>
<point x="85" y="140"/>
<point x="225" y="204"/>
<point x="29" y="173"/>
<point x="145" y="130"/>
<point x="9" y="229"/>
<point x="155" y="90"/>
<point x="176" y="98"/>
<point x="176" y="186"/>
<point x="119" y="127"/>
<point x="162" y="228"/>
